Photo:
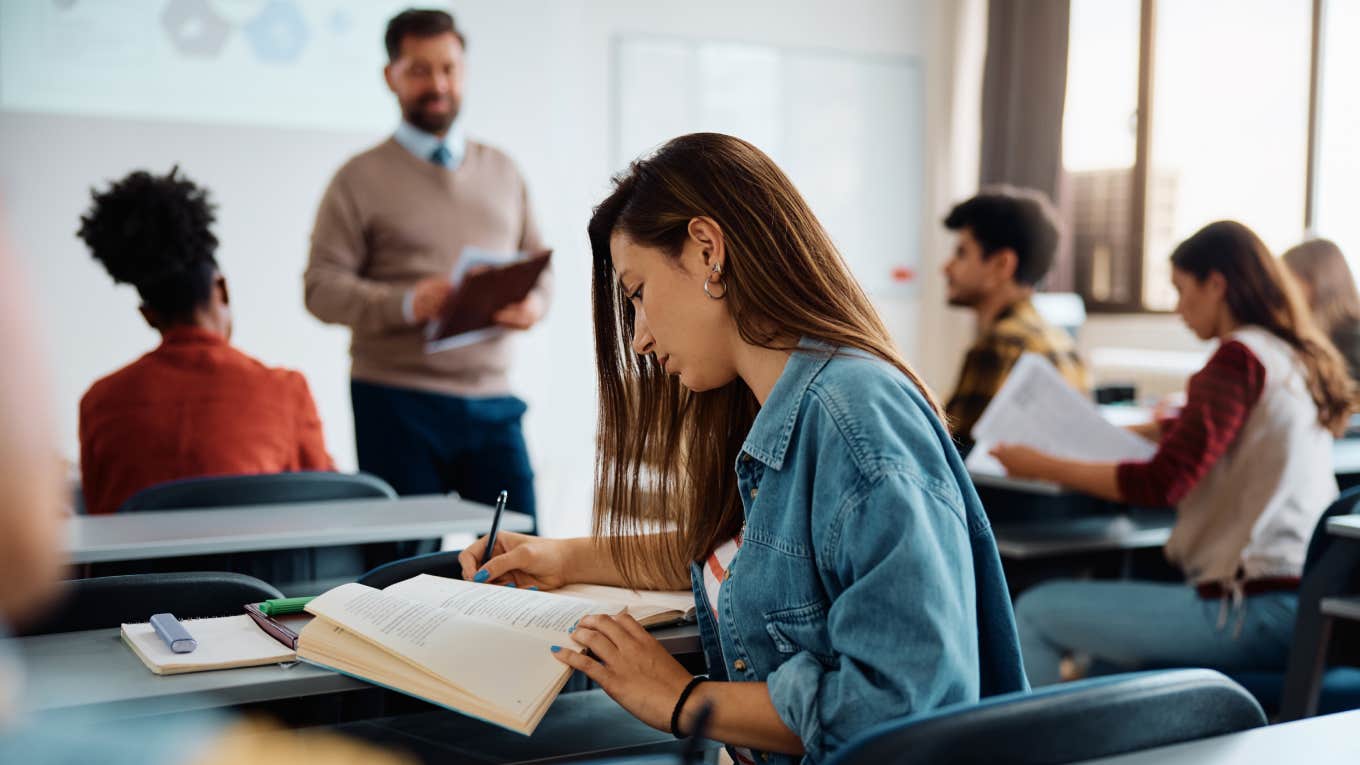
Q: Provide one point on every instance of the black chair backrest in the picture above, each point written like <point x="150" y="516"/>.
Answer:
<point x="1347" y="503"/>
<point x="439" y="564"/>
<point x="109" y="601"/>
<point x="264" y="489"/>
<point x="1069" y="722"/>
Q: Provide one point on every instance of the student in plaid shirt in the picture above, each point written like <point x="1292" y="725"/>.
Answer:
<point x="1005" y="245"/>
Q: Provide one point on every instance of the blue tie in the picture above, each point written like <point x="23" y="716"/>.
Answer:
<point x="442" y="156"/>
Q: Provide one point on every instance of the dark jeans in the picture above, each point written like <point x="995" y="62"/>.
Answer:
<point x="431" y="443"/>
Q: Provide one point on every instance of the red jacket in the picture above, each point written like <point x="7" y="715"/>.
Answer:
<point x="193" y="407"/>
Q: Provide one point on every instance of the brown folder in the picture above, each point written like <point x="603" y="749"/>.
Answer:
<point x="470" y="306"/>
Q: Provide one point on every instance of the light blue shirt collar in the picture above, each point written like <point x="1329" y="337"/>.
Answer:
<point x="423" y="144"/>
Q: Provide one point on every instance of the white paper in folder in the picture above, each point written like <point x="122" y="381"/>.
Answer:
<point x="1036" y="407"/>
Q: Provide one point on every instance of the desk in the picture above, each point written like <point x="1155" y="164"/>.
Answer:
<point x="1346" y="457"/>
<point x="1072" y="536"/>
<point x="1345" y="462"/>
<point x="1329" y="740"/>
<point x="170" y="533"/>
<point x="94" y="672"/>
<point x="1344" y="526"/>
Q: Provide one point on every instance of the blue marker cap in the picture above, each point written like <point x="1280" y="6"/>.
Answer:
<point x="173" y="633"/>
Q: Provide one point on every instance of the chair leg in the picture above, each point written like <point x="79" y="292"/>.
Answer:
<point x="1312" y="630"/>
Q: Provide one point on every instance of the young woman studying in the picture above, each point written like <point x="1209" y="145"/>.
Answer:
<point x="1330" y="290"/>
<point x="1247" y="465"/>
<point x="751" y="400"/>
<point x="195" y="406"/>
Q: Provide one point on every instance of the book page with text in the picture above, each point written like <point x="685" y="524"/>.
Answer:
<point x="507" y="666"/>
<point x="639" y="603"/>
<point x="546" y="615"/>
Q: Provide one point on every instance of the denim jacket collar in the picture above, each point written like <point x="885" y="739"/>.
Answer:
<point x="768" y="439"/>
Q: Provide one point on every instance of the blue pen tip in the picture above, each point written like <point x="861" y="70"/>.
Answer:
<point x="481" y="576"/>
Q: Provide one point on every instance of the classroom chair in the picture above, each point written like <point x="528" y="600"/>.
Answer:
<point x="299" y="572"/>
<point x="1068" y="722"/>
<point x="264" y="489"/>
<point x="109" y="601"/>
<point x="1308" y="686"/>
<point x="439" y="564"/>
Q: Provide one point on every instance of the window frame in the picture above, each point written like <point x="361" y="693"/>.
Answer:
<point x="1132" y="267"/>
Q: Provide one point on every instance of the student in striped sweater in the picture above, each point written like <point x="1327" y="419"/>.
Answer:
<point x="1247" y="465"/>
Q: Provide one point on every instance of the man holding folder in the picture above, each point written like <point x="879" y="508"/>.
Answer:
<point x="389" y="233"/>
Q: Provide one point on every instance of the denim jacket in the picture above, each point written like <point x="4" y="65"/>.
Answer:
<point x="868" y="585"/>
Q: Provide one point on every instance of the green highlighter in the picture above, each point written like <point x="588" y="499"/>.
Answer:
<point x="285" y="606"/>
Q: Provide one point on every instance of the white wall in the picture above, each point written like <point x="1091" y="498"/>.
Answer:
<point x="538" y="87"/>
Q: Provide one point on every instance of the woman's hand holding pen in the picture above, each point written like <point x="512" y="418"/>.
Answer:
<point x="519" y="559"/>
<point x="628" y="664"/>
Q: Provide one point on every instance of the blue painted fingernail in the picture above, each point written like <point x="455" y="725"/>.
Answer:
<point x="482" y="576"/>
<point x="509" y="584"/>
<point x="555" y="648"/>
<point x="533" y="587"/>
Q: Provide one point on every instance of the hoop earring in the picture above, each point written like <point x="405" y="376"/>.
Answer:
<point x="717" y="271"/>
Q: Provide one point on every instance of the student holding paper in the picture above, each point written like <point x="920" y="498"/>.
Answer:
<point x="752" y="400"/>
<point x="1006" y="241"/>
<point x="1247" y="463"/>
<point x="392" y="227"/>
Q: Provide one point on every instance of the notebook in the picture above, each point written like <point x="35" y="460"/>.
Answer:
<point x="223" y="643"/>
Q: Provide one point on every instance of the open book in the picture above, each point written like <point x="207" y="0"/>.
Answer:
<point x="652" y="608"/>
<point x="479" y="649"/>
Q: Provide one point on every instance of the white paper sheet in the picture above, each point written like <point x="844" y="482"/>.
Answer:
<point x="1036" y="407"/>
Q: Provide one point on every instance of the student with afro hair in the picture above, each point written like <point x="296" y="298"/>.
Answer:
<point x="195" y="406"/>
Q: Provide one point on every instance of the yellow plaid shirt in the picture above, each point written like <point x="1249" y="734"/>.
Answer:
<point x="1017" y="330"/>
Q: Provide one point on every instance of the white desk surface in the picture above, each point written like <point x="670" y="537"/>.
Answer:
<point x="1345" y="461"/>
<point x="93" y="672"/>
<point x="168" y="533"/>
<point x="1346" y="456"/>
<point x="1344" y="526"/>
<point x="1329" y="740"/>
<point x="994" y="481"/>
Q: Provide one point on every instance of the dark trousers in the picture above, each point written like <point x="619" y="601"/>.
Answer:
<point x="431" y="443"/>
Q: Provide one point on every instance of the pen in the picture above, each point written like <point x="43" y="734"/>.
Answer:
<point x="495" y="526"/>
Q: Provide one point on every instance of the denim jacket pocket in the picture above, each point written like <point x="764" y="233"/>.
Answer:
<point x="800" y="628"/>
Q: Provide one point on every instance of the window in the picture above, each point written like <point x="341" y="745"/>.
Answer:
<point x="1099" y="143"/>
<point x="1182" y="113"/>
<point x="1336" y="194"/>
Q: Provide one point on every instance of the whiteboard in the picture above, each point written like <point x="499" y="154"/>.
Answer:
<point x="848" y="129"/>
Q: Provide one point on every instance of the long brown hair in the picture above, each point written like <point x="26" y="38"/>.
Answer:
<point x="1333" y="297"/>
<point x="1260" y="292"/>
<point x="665" y="455"/>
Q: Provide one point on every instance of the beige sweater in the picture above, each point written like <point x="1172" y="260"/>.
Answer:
<point x="389" y="219"/>
<point x="1252" y="515"/>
